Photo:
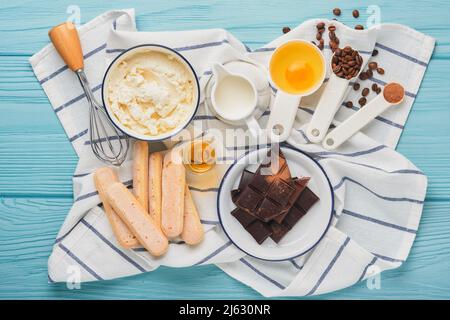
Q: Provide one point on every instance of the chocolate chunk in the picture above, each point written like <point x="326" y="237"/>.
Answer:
<point x="306" y="200"/>
<point x="243" y="217"/>
<point x="235" y="194"/>
<point x="259" y="231"/>
<point x="249" y="199"/>
<point x="278" y="231"/>
<point x="246" y="177"/>
<point x="294" y="215"/>
<point x="300" y="186"/>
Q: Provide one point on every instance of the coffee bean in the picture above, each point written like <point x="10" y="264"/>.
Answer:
<point x="365" y="92"/>
<point x="286" y="30"/>
<point x="362" y="101"/>
<point x="321" y="44"/>
<point x="346" y="62"/>
<point x="359" y="27"/>
<point x="373" y="65"/>
<point x="355" y="13"/>
<point x="380" y="70"/>
<point x="378" y="90"/>
<point x="374" y="87"/>
<point x="337" y="11"/>
<point x="332" y="28"/>
<point x="369" y="73"/>
<point x="320" y="25"/>
<point x="356" y="86"/>
<point x="318" y="36"/>
<point x="363" y="76"/>
<point x="349" y="104"/>
<point x="374" y="52"/>
<point x="332" y="35"/>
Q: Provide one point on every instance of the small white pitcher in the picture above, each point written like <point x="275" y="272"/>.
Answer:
<point x="234" y="98"/>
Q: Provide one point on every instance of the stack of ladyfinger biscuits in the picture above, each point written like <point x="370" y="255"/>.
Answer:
<point x="160" y="207"/>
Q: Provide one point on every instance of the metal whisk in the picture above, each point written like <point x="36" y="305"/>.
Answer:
<point x="108" y="143"/>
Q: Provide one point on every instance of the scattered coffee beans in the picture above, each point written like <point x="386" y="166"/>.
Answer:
<point x="359" y="27"/>
<point x="355" y="13"/>
<point x="286" y="30"/>
<point x="374" y="52"/>
<point x="362" y="101"/>
<point x="356" y="86"/>
<point x="365" y="92"/>
<point x="380" y="70"/>
<point x="346" y="62"/>
<point x="373" y="65"/>
<point x="337" y="11"/>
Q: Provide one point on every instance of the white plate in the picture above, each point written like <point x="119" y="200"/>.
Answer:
<point x="308" y="231"/>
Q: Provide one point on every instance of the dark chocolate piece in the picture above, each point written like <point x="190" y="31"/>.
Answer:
<point x="300" y="187"/>
<point x="243" y="217"/>
<point x="259" y="230"/>
<point x="235" y="194"/>
<point x="293" y="216"/>
<point x="246" y="177"/>
<point x="306" y="200"/>
<point x="278" y="231"/>
<point x="269" y="195"/>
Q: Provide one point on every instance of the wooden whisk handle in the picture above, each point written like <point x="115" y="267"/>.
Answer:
<point x="67" y="42"/>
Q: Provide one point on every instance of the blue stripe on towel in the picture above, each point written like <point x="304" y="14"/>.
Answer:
<point x="210" y="222"/>
<point x="67" y="233"/>
<point x="63" y="68"/>
<point x="371" y="263"/>
<point x="376" y="194"/>
<point x="296" y="265"/>
<point x="88" y="142"/>
<point x="78" y="135"/>
<point x="263" y="275"/>
<point x="351" y="154"/>
<point x="328" y="268"/>
<point x="400" y="54"/>
<point x="78" y="260"/>
<point x="380" y="222"/>
<point x="387" y="258"/>
<point x="76" y="99"/>
<point x="112" y="246"/>
<point x="214" y="253"/>
<point x="94" y="193"/>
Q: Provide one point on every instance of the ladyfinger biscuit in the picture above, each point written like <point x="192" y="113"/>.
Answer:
<point x="140" y="172"/>
<point x="103" y="177"/>
<point x="192" y="229"/>
<point x="155" y="161"/>
<point x="137" y="219"/>
<point x="173" y="184"/>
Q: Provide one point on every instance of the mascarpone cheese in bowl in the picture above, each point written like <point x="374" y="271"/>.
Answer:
<point x="150" y="92"/>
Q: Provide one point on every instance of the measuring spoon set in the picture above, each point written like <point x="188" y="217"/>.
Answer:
<point x="297" y="68"/>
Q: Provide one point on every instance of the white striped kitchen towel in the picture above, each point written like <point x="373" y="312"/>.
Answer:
<point x="379" y="194"/>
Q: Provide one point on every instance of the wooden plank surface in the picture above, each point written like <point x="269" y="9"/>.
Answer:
<point x="37" y="161"/>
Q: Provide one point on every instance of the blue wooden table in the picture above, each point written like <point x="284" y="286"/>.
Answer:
<point x="37" y="161"/>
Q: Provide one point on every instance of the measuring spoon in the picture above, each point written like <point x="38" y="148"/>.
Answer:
<point x="330" y="101"/>
<point x="393" y="94"/>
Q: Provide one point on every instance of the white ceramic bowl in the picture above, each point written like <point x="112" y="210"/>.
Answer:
<point x="153" y="47"/>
